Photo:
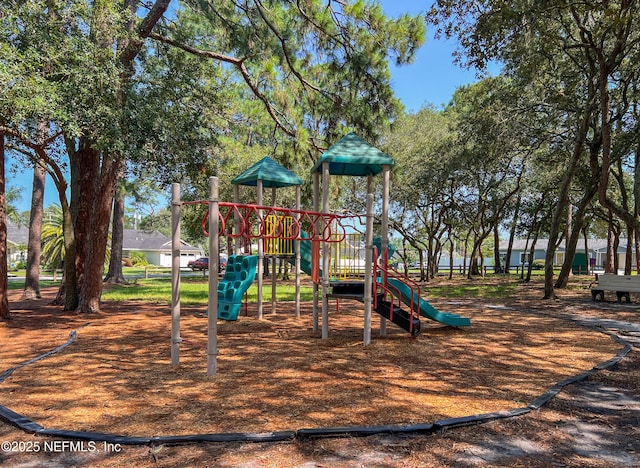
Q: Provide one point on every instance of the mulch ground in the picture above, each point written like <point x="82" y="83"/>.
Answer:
<point x="278" y="374"/>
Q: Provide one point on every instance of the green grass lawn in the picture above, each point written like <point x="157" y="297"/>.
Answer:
<point x="19" y="284"/>
<point x="194" y="291"/>
<point x="489" y="290"/>
<point x="194" y="288"/>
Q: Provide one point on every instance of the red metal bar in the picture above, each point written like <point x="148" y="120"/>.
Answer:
<point x="252" y="221"/>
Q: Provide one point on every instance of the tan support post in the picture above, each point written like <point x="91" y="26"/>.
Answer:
<point x="297" y="252"/>
<point x="175" y="274"/>
<point x="260" y="249"/>
<point x="214" y="261"/>
<point x="368" y="267"/>
<point x="326" y="260"/>
<point x="316" y="208"/>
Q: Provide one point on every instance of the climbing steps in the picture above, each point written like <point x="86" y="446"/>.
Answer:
<point x="398" y="316"/>
<point x="238" y="277"/>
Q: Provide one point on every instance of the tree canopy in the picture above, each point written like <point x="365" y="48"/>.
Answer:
<point x="173" y="86"/>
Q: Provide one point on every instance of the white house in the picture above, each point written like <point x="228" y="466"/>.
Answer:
<point x="597" y="252"/>
<point x="17" y="239"/>
<point x="156" y="247"/>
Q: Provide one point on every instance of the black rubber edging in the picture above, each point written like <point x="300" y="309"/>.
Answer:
<point x="30" y="426"/>
<point x="557" y="388"/>
<point x="22" y="422"/>
<point x="364" y="431"/>
<point x="5" y="374"/>
<point x="178" y="439"/>
<point x="463" y="421"/>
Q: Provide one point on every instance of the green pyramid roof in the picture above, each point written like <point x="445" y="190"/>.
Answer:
<point x="270" y="173"/>
<point x="353" y="156"/>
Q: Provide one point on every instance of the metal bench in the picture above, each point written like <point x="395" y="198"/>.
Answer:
<point x="621" y="284"/>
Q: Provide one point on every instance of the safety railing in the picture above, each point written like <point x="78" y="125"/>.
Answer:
<point x="392" y="293"/>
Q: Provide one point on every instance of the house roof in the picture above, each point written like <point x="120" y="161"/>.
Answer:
<point x="138" y="239"/>
<point x="17" y="234"/>
<point x="270" y="173"/>
<point x="352" y="156"/>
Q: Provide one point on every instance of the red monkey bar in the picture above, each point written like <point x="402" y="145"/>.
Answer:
<point x="325" y="227"/>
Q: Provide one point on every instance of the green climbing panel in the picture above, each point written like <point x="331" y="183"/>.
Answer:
<point x="238" y="277"/>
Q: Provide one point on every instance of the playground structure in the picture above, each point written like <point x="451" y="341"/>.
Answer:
<point x="341" y="263"/>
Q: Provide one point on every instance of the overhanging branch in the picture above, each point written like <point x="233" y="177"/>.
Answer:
<point x="239" y="65"/>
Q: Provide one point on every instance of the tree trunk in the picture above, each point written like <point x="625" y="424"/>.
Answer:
<point x="568" y="227"/>
<point x="115" y="274"/>
<point x="473" y="262"/>
<point x="68" y="292"/>
<point x="573" y="236"/>
<point x="4" y="286"/>
<point x="563" y="200"/>
<point x="466" y="252"/>
<point x="433" y="253"/>
<point x="284" y="264"/>
<point x="609" y="266"/>
<point x="450" y="256"/>
<point x="586" y="250"/>
<point x="636" y="248"/>
<point x="497" y="269"/>
<point x="606" y="130"/>
<point x="97" y="184"/>
<point x="628" y="258"/>
<point x="512" y="234"/>
<point x="525" y="251"/>
<point x="532" y="251"/>
<point x="423" y="271"/>
<point x="32" y="277"/>
<point x="636" y="200"/>
<point x="616" y="258"/>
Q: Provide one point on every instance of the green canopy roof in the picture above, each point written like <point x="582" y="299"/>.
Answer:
<point x="270" y="173"/>
<point x="352" y="156"/>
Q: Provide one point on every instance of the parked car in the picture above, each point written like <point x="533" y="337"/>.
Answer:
<point x="202" y="263"/>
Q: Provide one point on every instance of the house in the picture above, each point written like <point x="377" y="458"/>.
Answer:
<point x="154" y="245"/>
<point x="597" y="252"/>
<point x="17" y="240"/>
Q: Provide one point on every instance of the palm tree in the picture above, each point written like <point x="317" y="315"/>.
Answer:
<point x="53" y="236"/>
<point x="11" y="196"/>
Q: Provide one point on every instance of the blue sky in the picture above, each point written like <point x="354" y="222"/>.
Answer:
<point x="433" y="77"/>
<point x="430" y="80"/>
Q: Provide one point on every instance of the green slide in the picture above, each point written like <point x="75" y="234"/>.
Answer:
<point x="426" y="309"/>
<point x="305" y="255"/>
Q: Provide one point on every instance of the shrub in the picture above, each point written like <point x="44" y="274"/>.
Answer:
<point x="538" y="264"/>
<point x="138" y="259"/>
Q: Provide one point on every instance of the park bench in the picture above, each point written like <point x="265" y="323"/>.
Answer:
<point x="621" y="284"/>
